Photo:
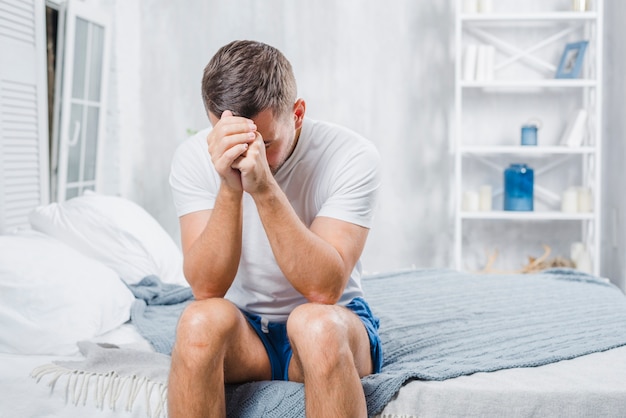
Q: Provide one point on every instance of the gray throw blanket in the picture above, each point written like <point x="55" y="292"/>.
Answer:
<point x="440" y="324"/>
<point x="156" y="310"/>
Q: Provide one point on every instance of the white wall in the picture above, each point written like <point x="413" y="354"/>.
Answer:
<point x="384" y="69"/>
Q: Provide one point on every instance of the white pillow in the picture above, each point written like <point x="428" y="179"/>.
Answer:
<point x="115" y="231"/>
<point x="51" y="296"/>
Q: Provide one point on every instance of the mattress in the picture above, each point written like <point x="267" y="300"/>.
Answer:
<point x="589" y="386"/>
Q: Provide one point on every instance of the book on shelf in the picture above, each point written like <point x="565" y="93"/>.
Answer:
<point x="478" y="62"/>
<point x="469" y="62"/>
<point x="574" y="134"/>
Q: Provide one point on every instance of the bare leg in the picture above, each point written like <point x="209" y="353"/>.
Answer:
<point x="214" y="344"/>
<point x="331" y="354"/>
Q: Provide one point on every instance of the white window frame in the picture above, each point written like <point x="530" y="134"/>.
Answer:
<point x="64" y="135"/>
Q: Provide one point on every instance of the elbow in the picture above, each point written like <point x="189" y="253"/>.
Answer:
<point x="324" y="299"/>
<point x="328" y="293"/>
<point x="203" y="288"/>
<point x="333" y="288"/>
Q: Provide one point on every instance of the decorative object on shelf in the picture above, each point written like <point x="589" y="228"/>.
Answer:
<point x="569" y="201"/>
<point x="474" y="6"/>
<point x="581" y="257"/>
<point x="584" y="199"/>
<point x="577" y="200"/>
<point x="574" y="133"/>
<point x="534" y="265"/>
<point x="529" y="132"/>
<point x="580" y="5"/>
<point x="484" y="198"/>
<point x="572" y="60"/>
<point x="518" y="188"/>
<point x="470" y="6"/>
<point x="485" y="6"/>
<point x="470" y="201"/>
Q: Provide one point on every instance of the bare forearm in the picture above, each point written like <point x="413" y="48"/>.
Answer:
<point x="313" y="266"/>
<point x="212" y="261"/>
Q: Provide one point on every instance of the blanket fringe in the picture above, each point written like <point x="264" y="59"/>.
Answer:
<point x="108" y="388"/>
<point x="395" y="416"/>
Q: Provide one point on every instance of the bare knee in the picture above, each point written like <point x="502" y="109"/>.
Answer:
<point x="319" y="336"/>
<point x="205" y="322"/>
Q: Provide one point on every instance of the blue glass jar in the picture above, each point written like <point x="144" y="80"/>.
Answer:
<point x="518" y="187"/>
<point x="529" y="134"/>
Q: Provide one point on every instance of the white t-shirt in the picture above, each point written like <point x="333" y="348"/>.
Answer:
<point x="333" y="172"/>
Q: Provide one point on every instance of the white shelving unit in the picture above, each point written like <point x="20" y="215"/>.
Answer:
<point x="524" y="81"/>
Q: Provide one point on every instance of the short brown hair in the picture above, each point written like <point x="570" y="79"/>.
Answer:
<point x="247" y="77"/>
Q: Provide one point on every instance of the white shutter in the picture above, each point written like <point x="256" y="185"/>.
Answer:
<point x="24" y="174"/>
<point x="79" y="125"/>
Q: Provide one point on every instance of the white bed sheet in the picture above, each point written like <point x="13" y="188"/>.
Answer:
<point x="592" y="385"/>
<point x="587" y="386"/>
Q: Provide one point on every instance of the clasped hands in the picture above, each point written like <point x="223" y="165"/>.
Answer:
<point x="238" y="153"/>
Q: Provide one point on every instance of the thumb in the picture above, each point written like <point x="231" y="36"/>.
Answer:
<point x="227" y="114"/>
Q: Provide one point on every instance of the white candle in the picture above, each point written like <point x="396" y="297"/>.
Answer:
<point x="584" y="262"/>
<point x="485" y="6"/>
<point x="470" y="201"/>
<point x="470" y="6"/>
<point x="584" y="199"/>
<point x="569" y="202"/>
<point x="484" y="197"/>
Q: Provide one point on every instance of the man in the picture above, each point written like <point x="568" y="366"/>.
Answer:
<point x="274" y="213"/>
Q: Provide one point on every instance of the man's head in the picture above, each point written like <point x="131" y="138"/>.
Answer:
<point x="255" y="81"/>
<point x="247" y="77"/>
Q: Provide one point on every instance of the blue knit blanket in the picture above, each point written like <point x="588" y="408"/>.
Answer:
<point x="156" y="310"/>
<point x="440" y="324"/>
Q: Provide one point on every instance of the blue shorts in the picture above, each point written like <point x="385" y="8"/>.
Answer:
<point x="274" y="338"/>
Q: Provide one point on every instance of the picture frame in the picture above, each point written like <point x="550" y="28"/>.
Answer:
<point x="572" y="59"/>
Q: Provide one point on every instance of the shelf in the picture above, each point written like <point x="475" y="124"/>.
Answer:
<point x="526" y="150"/>
<point x="514" y="78"/>
<point x="517" y="85"/>
<point x="528" y="216"/>
<point x="528" y="17"/>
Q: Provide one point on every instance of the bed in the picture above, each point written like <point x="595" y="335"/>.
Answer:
<point x="89" y="297"/>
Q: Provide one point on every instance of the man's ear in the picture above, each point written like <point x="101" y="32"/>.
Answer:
<point x="299" y="109"/>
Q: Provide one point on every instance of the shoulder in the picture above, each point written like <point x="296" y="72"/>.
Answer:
<point x="192" y="156"/>
<point x="345" y="156"/>
<point x="191" y="160"/>
<point x="340" y="141"/>
<point x="193" y="147"/>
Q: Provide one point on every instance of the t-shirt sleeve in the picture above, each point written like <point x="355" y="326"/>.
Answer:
<point x="353" y="187"/>
<point x="193" y="180"/>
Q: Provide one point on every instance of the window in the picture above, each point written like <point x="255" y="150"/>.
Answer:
<point x="79" y="100"/>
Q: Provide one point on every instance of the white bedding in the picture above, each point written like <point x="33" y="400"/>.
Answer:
<point x="23" y="397"/>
